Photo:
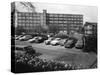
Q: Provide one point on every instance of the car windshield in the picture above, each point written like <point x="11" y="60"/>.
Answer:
<point x="70" y="41"/>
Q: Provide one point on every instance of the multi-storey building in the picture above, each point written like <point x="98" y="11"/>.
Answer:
<point x="65" y="22"/>
<point x="51" y="22"/>
<point x="29" y="21"/>
<point x="90" y="29"/>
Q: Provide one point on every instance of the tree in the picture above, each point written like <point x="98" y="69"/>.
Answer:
<point x="19" y="30"/>
<point x="44" y="29"/>
<point x="53" y="28"/>
<point x="29" y="6"/>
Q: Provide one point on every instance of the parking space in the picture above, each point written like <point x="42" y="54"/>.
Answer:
<point x="59" y="53"/>
<point x="43" y="46"/>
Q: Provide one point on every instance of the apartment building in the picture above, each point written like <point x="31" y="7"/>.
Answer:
<point x="51" y="22"/>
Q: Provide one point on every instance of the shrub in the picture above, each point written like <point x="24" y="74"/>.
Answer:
<point x="29" y="49"/>
<point x="30" y="63"/>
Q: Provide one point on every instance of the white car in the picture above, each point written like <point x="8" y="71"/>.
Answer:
<point x="23" y="37"/>
<point x="47" y="42"/>
<point x="33" y="39"/>
<point x="17" y="37"/>
<point x="55" y="41"/>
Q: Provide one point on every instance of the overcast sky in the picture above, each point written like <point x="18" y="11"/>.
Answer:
<point x="90" y="13"/>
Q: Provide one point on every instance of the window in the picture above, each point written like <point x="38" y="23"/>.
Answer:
<point x="19" y="14"/>
<point x="51" y="15"/>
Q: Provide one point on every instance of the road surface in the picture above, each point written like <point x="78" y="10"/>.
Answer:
<point x="59" y="53"/>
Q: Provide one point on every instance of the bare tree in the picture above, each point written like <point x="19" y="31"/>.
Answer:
<point x="29" y="5"/>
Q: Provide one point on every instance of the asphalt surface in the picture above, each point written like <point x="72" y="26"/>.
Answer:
<point x="59" y="53"/>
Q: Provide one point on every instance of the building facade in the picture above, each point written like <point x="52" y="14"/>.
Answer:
<point x="50" y="22"/>
<point x="90" y="29"/>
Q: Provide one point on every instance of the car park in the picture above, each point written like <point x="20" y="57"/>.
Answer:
<point x="70" y="43"/>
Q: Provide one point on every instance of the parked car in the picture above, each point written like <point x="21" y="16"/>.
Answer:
<point x="55" y="41"/>
<point x="32" y="40"/>
<point x="23" y="37"/>
<point x="79" y="44"/>
<point x="44" y="37"/>
<point x="18" y="37"/>
<point x="70" y="43"/>
<point x="39" y="40"/>
<point x="47" y="42"/>
<point x="26" y="37"/>
<point x="62" y="42"/>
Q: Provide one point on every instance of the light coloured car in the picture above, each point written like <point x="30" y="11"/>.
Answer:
<point x="32" y="40"/>
<point x="26" y="37"/>
<point x="23" y="37"/>
<point x="55" y="41"/>
<point x="47" y="42"/>
<point x="18" y="37"/>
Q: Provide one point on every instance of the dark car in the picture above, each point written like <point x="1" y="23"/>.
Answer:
<point x="62" y="42"/>
<point x="39" y="40"/>
<point x="70" y="43"/>
<point x="79" y="44"/>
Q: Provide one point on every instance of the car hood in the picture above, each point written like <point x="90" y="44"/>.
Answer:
<point x="54" y="41"/>
<point x="31" y="39"/>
